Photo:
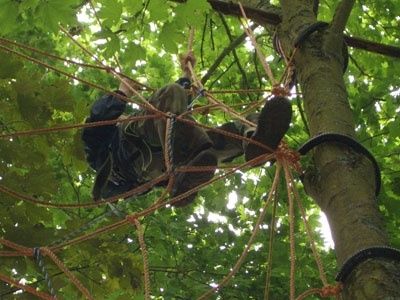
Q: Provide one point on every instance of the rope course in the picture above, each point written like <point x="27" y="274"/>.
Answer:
<point x="286" y="161"/>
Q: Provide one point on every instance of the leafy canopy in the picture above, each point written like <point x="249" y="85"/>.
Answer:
<point x="191" y="248"/>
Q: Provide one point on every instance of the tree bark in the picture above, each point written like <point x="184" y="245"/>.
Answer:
<point x="341" y="181"/>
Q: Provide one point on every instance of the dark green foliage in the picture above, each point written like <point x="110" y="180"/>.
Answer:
<point x="187" y="250"/>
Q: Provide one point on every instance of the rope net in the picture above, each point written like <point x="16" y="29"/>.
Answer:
<point x="286" y="161"/>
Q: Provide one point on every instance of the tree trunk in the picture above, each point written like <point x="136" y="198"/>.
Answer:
<point x="340" y="181"/>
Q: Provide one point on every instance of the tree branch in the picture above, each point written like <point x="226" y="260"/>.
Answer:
<point x="239" y="65"/>
<point x="369" y="46"/>
<point x="273" y="17"/>
<point x="341" y="16"/>
<point x="235" y="43"/>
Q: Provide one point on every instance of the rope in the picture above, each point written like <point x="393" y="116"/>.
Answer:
<point x="291" y="232"/>
<point x="101" y="26"/>
<point x="270" y="247"/>
<point x="187" y="65"/>
<point x="190" y="61"/>
<point x="143" y="249"/>
<point x="324" y="292"/>
<point x="75" y="126"/>
<point x="67" y="272"/>
<point x="310" y="235"/>
<point x="256" y="229"/>
<point x="213" y="100"/>
<point x="169" y="141"/>
<point x="24" y="251"/>
<point x="112" y="71"/>
<point x="40" y="261"/>
<point x="10" y="42"/>
<point x="260" y="55"/>
<point x="25" y="288"/>
<point x="144" y="104"/>
<point x="137" y="190"/>
<point x="155" y="206"/>
<point x="21" y="249"/>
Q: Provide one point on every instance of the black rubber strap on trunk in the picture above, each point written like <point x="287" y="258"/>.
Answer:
<point x="306" y="32"/>
<point x="372" y="252"/>
<point x="348" y="141"/>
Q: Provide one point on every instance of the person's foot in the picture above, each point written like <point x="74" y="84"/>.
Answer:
<point x="273" y="123"/>
<point x="185" y="181"/>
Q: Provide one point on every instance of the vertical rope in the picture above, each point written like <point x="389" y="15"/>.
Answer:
<point x="270" y="248"/>
<point x="310" y="235"/>
<point x="291" y="232"/>
<point x="143" y="249"/>
<point x="256" y="229"/>
<point x="169" y="149"/>
<point x="40" y="261"/>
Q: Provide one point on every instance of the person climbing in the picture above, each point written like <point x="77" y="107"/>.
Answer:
<point x="129" y="154"/>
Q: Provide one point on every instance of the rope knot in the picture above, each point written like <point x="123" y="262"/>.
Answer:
<point x="283" y="152"/>
<point x="280" y="91"/>
<point x="331" y="290"/>
<point x="109" y="69"/>
<point x="187" y="58"/>
<point x="132" y="219"/>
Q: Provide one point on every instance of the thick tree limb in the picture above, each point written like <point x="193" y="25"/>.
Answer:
<point x="341" y="16"/>
<point x="369" y="46"/>
<point x="273" y="17"/>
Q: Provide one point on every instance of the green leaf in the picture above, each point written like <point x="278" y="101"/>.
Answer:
<point x="112" y="46"/>
<point x="9" y="67"/>
<point x="8" y="16"/>
<point x="133" y="53"/>
<point x="133" y="7"/>
<point x="159" y="10"/>
<point x="110" y="12"/>
<point x="168" y="38"/>
<point x="28" y="4"/>
<point x="51" y="13"/>
<point x="191" y="13"/>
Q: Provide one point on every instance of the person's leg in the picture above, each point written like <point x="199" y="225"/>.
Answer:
<point x="188" y="140"/>
<point x="190" y="143"/>
<point x="272" y="124"/>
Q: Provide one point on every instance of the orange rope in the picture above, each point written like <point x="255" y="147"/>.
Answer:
<point x="67" y="272"/>
<point x="74" y="126"/>
<point x="260" y="55"/>
<point x="25" y="251"/>
<point x="317" y="257"/>
<point x="324" y="292"/>
<point x="38" y="62"/>
<point x="256" y="229"/>
<point x="138" y="190"/>
<point x="26" y="288"/>
<point x="291" y="232"/>
<point x="143" y="249"/>
<point x="270" y="247"/>
<point x="112" y="71"/>
<point x="213" y="100"/>
<point x="21" y="249"/>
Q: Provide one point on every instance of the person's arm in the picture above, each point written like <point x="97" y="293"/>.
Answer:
<point x="97" y="140"/>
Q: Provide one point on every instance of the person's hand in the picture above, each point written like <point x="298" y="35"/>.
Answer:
<point x="127" y="85"/>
